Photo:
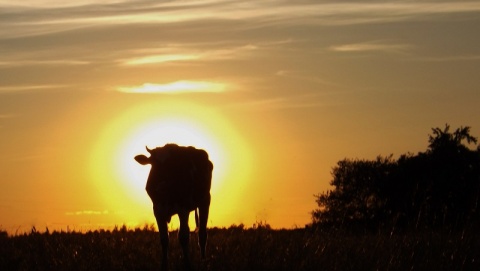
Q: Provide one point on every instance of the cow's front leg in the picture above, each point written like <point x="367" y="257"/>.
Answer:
<point x="163" y="230"/>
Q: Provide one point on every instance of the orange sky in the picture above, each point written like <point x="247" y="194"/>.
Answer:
<point x="276" y="92"/>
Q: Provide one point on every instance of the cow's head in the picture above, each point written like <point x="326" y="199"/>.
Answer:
<point x="158" y="174"/>
<point x="157" y="156"/>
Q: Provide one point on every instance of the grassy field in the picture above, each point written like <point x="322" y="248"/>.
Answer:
<point x="239" y="248"/>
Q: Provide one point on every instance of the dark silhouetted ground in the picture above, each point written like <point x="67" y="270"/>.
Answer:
<point x="238" y="248"/>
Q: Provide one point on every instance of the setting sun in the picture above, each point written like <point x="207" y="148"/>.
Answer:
<point x="154" y="125"/>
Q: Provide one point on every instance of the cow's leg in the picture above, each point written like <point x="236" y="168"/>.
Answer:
<point x="203" y="211"/>
<point x="184" y="236"/>
<point x="163" y="230"/>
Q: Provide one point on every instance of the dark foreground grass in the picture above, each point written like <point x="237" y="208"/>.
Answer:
<point x="236" y="248"/>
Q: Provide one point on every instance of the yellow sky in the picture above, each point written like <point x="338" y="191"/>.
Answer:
<point x="276" y="92"/>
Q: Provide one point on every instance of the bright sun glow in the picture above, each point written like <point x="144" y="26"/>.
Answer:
<point x="122" y="180"/>
<point x="158" y="133"/>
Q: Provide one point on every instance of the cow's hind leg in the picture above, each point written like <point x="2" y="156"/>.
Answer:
<point x="184" y="237"/>
<point x="203" y="211"/>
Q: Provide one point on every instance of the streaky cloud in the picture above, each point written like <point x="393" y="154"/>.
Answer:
<point x="299" y="75"/>
<point x="158" y="59"/>
<point x="21" y="88"/>
<point x="178" y="87"/>
<point x="53" y="3"/>
<point x="36" y="20"/>
<point x="449" y="58"/>
<point x="371" y="47"/>
<point x="21" y="63"/>
<point x="179" y="54"/>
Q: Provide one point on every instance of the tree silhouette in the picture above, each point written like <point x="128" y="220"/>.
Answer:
<point x="443" y="140"/>
<point x="439" y="187"/>
<point x="357" y="196"/>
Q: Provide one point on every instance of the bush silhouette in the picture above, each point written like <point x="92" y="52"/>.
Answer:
<point x="436" y="188"/>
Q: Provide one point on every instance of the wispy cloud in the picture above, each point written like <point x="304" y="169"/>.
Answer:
<point x="177" y="87"/>
<point x="158" y="59"/>
<point x="9" y="89"/>
<point x="449" y="58"/>
<point x="372" y="46"/>
<point x="87" y="212"/>
<point x="171" y="54"/>
<point x="53" y="3"/>
<point x="4" y="64"/>
<point x="39" y="19"/>
<point x="302" y="76"/>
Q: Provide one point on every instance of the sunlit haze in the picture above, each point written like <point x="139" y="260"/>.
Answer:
<point x="275" y="91"/>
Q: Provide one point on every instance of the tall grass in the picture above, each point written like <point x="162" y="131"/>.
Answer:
<point x="240" y="248"/>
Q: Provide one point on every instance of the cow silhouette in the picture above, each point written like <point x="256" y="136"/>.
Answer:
<point x="179" y="182"/>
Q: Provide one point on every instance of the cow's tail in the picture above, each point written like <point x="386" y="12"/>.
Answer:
<point x="196" y="219"/>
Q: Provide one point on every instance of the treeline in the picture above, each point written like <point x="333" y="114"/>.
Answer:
<point x="436" y="188"/>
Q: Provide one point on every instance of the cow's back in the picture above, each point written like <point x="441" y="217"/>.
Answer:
<point x="190" y="174"/>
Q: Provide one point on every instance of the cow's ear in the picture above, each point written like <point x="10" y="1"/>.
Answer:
<point x="142" y="159"/>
